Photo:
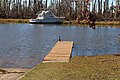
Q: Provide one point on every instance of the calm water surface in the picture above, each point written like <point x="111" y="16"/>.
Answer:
<point x="25" y="45"/>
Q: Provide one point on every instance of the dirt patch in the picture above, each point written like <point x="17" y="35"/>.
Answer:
<point x="11" y="73"/>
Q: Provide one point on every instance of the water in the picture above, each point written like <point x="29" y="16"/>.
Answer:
<point x="25" y="45"/>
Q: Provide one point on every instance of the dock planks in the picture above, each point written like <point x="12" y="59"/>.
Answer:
<point x="61" y="52"/>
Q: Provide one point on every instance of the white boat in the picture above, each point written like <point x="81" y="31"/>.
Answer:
<point x="46" y="17"/>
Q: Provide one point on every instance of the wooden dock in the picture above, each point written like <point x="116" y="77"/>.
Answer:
<point x="61" y="52"/>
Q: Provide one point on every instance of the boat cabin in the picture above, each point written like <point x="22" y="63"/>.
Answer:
<point x="45" y="14"/>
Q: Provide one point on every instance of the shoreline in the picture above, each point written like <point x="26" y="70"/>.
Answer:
<point x="14" y="20"/>
<point x="12" y="73"/>
<point x="96" y="23"/>
<point x="71" y="22"/>
<point x="87" y="67"/>
<point x="103" y="64"/>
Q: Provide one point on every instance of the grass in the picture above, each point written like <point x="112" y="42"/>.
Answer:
<point x="73" y="22"/>
<point x="96" y="23"/>
<point x="14" y="20"/>
<point x="105" y="67"/>
<point x="108" y="23"/>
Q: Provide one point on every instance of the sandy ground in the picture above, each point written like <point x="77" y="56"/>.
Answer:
<point x="11" y="73"/>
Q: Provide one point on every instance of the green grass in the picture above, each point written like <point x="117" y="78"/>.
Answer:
<point x="80" y="68"/>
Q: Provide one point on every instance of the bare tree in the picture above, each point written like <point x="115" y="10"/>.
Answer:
<point x="71" y="9"/>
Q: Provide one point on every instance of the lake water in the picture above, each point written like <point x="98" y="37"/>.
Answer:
<point x="25" y="45"/>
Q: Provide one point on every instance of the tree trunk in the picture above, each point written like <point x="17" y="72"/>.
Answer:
<point x="46" y="3"/>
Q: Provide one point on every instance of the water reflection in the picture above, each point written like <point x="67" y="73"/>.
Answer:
<point x="92" y="25"/>
<point x="25" y="45"/>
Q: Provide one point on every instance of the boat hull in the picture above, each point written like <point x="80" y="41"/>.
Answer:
<point x="46" y="22"/>
<point x="39" y="21"/>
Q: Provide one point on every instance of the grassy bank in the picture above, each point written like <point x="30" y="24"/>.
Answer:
<point x="105" y="67"/>
<point x="14" y="20"/>
<point x="96" y="23"/>
<point x="74" y="22"/>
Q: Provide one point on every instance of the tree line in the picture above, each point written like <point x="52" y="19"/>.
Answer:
<point x="70" y="9"/>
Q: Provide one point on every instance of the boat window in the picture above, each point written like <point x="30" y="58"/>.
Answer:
<point x="40" y="16"/>
<point x="49" y="14"/>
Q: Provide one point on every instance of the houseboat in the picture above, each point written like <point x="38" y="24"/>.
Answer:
<point x="47" y="17"/>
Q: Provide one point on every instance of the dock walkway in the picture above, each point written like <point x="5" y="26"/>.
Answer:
<point x="61" y="52"/>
